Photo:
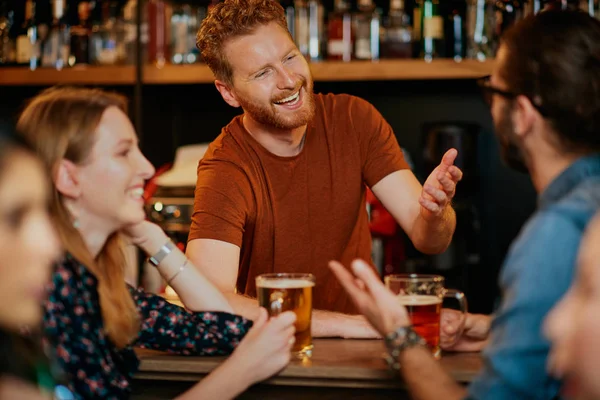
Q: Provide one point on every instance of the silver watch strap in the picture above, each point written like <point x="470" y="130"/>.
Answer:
<point x="162" y="253"/>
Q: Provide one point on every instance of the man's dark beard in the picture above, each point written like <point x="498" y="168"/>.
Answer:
<point x="510" y="152"/>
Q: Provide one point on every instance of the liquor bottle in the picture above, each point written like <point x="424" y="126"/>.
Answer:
<point x="98" y="10"/>
<point x="433" y="31"/>
<point x="109" y="37"/>
<point x="57" y="48"/>
<point x="157" y="33"/>
<point x="532" y="7"/>
<point x="80" y="36"/>
<point x="301" y="27"/>
<point x="454" y="29"/>
<point x="43" y="21"/>
<point x="482" y="38"/>
<point x="27" y="52"/>
<point x="290" y="15"/>
<point x="396" y="36"/>
<point x="366" y="31"/>
<point x="130" y="32"/>
<point x="198" y="15"/>
<point x="417" y="27"/>
<point x="340" y="41"/>
<point x="7" y="45"/>
<point x="508" y="12"/>
<point x="180" y="24"/>
<point x="316" y="29"/>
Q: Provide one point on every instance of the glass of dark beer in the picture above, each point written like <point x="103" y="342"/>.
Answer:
<point x="290" y="292"/>
<point x="422" y="295"/>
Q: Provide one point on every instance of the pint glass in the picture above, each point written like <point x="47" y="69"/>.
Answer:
<point x="422" y="295"/>
<point x="290" y="292"/>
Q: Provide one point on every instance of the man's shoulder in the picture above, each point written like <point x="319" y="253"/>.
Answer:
<point x="227" y="146"/>
<point x="341" y="100"/>
<point x="546" y="248"/>
<point x="580" y="204"/>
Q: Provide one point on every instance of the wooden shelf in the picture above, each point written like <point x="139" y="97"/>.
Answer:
<point x="199" y="73"/>
<point x="400" y="70"/>
<point x="341" y="71"/>
<point x="81" y="75"/>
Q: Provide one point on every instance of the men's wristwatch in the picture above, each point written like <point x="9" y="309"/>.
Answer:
<point x="399" y="340"/>
<point x="162" y="253"/>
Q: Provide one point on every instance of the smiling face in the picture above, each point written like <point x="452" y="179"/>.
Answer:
<point x="111" y="180"/>
<point x="28" y="242"/>
<point x="271" y="79"/>
<point x="573" y="326"/>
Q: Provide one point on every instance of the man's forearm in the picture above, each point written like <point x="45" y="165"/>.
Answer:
<point x="425" y="377"/>
<point x="433" y="235"/>
<point x="324" y="323"/>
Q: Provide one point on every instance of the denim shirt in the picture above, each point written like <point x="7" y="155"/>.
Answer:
<point x="536" y="273"/>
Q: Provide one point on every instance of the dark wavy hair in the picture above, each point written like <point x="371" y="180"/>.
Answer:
<point x="553" y="58"/>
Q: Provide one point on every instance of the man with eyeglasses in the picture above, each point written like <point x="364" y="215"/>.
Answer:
<point x="544" y="96"/>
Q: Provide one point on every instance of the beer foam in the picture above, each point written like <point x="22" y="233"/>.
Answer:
<point x="418" y="300"/>
<point x="286" y="284"/>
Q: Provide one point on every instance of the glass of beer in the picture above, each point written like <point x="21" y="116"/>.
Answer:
<point x="290" y="292"/>
<point x="422" y="295"/>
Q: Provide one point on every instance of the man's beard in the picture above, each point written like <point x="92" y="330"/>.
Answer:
<point x="268" y="115"/>
<point x="510" y="152"/>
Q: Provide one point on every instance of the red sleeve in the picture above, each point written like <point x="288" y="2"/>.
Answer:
<point x="221" y="202"/>
<point x="379" y="150"/>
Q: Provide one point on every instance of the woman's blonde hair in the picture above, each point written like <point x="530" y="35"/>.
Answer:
<point x="61" y="124"/>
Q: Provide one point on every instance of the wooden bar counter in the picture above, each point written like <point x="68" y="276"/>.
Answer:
<point x="339" y="369"/>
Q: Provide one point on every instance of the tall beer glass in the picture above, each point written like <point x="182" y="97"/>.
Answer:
<point x="422" y="295"/>
<point x="290" y="292"/>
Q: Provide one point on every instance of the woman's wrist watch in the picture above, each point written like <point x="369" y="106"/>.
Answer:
<point x="399" y="340"/>
<point x="162" y="253"/>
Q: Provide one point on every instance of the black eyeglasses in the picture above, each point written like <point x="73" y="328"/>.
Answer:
<point x="488" y="91"/>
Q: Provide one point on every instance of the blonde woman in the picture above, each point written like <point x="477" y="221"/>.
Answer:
<point x="93" y="318"/>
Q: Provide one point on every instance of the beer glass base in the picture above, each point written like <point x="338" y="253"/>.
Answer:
<point x="305" y="353"/>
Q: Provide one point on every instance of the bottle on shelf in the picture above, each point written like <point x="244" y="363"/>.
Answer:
<point x="340" y="40"/>
<point x="181" y="21"/>
<point x="158" y="52"/>
<point x="80" y="36"/>
<point x="590" y="7"/>
<point x="57" y="47"/>
<point x="98" y="12"/>
<point x="396" y="36"/>
<point x="290" y="15"/>
<point x="7" y="44"/>
<point x="316" y="27"/>
<point x="367" y="22"/>
<point x="507" y="13"/>
<point x="532" y="7"/>
<point x="482" y="38"/>
<point x="130" y="31"/>
<point x="417" y="27"/>
<point x="27" y="52"/>
<point x="43" y="21"/>
<point x="432" y="42"/>
<point x="109" y="36"/>
<point x="198" y="14"/>
<point x="301" y="27"/>
<point x="454" y="29"/>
